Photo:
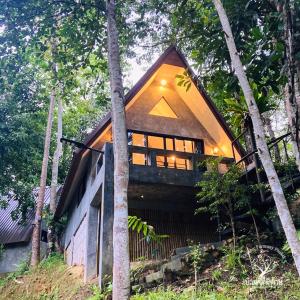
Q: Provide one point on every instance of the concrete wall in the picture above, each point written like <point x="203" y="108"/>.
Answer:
<point x="15" y="254"/>
<point x="86" y="232"/>
<point x="78" y="212"/>
<point x="186" y="125"/>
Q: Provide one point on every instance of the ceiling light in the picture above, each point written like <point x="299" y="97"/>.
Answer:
<point x="163" y="82"/>
<point x="216" y="150"/>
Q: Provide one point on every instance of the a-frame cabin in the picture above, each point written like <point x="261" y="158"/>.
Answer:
<point x="170" y="130"/>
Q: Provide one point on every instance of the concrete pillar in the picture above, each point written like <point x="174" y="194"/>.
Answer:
<point x="107" y="217"/>
<point x="90" y="266"/>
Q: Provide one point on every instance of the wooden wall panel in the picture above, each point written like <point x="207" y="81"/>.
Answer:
<point x="181" y="228"/>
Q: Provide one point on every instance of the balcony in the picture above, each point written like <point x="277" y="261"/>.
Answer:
<point x="148" y="165"/>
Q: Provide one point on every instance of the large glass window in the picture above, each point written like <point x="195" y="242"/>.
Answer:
<point x="156" y="142"/>
<point x="138" y="139"/>
<point x="164" y="160"/>
<point x="139" y="159"/>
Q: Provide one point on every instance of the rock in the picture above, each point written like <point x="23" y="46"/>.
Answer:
<point x="174" y="265"/>
<point x="215" y="253"/>
<point x="154" y="277"/>
<point x="182" y="250"/>
<point x="138" y="288"/>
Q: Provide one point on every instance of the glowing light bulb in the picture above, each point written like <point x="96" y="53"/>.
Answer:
<point x="216" y="150"/>
<point x="163" y="82"/>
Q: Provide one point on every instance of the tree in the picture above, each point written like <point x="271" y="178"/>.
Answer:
<point x="55" y="165"/>
<point x="25" y="73"/>
<point x="36" y="235"/>
<point x="263" y="151"/>
<point x="121" y="276"/>
<point x="293" y="108"/>
<point x="224" y="194"/>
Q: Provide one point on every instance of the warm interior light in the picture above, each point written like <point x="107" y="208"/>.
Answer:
<point x="173" y="157"/>
<point x="163" y="82"/>
<point x="216" y="150"/>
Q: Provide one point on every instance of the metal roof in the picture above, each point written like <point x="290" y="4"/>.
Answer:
<point x="12" y="231"/>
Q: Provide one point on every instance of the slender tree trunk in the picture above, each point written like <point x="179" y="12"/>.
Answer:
<point x="290" y="115"/>
<point x="256" y="160"/>
<point x="55" y="165"/>
<point x="35" y="255"/>
<point x="255" y="226"/>
<point x="297" y="84"/>
<point x="263" y="151"/>
<point x="272" y="136"/>
<point x="232" y="224"/>
<point x="121" y="276"/>
<point x="290" y="91"/>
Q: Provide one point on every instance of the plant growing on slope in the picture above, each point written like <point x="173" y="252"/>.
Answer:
<point x="262" y="147"/>
<point x="138" y="225"/>
<point x="222" y="192"/>
<point x="197" y="256"/>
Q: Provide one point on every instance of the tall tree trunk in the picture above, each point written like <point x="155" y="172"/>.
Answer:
<point x="291" y="115"/>
<point x="121" y="276"/>
<point x="270" y="131"/>
<point x="263" y="151"/>
<point x="55" y="165"/>
<point x="290" y="91"/>
<point x="35" y="255"/>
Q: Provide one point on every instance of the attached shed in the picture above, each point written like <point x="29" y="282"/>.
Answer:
<point x="15" y="236"/>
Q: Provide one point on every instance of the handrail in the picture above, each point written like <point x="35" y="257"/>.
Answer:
<point x="178" y="154"/>
<point x="273" y="142"/>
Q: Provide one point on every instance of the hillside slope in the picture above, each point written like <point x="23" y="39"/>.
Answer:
<point x="51" y="280"/>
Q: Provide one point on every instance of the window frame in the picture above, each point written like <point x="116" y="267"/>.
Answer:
<point x="198" y="143"/>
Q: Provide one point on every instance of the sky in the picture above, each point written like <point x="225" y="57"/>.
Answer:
<point x="137" y="69"/>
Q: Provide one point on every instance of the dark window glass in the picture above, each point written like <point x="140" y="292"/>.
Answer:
<point x="44" y="236"/>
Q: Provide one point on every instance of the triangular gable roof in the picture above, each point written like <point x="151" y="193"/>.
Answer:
<point x="171" y="56"/>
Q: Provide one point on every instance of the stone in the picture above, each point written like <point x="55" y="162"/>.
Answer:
<point x="154" y="277"/>
<point x="182" y="250"/>
<point x="138" y="288"/>
<point x="174" y="265"/>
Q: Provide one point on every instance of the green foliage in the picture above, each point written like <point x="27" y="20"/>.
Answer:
<point x="286" y="168"/>
<point x="216" y="274"/>
<point x="194" y="27"/>
<point x="232" y="258"/>
<point x="222" y="192"/>
<point x="23" y="268"/>
<point x="101" y="294"/>
<point x="184" y="80"/>
<point x="138" y="225"/>
<point x="27" y="32"/>
<point x="53" y="260"/>
<point x="237" y="109"/>
<point x="218" y="190"/>
<point x="197" y="256"/>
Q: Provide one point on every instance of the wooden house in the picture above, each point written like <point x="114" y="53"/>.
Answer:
<point x="170" y="130"/>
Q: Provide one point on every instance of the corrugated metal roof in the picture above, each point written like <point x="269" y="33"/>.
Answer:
<point x="11" y="231"/>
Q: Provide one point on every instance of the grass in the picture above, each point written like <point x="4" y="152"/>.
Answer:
<point x="52" y="279"/>
<point x="225" y="291"/>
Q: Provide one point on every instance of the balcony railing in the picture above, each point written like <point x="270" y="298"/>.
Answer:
<point x="160" y="158"/>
